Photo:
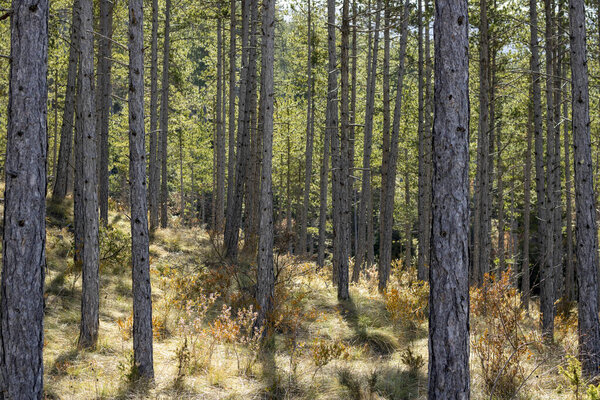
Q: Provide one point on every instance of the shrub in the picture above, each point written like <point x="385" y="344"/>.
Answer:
<point x="407" y="298"/>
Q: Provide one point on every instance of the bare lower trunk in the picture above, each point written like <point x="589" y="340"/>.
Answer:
<point x="154" y="173"/>
<point x="90" y="287"/>
<point x="219" y="210"/>
<point x="586" y="232"/>
<point x="525" y="283"/>
<point x="449" y="294"/>
<point x="140" y="257"/>
<point x="164" y="120"/>
<point x="24" y="239"/>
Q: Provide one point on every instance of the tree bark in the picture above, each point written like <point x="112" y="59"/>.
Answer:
<point x="66" y="130"/>
<point x="140" y="257"/>
<point x="388" y="190"/>
<point x="154" y="173"/>
<point x="90" y="287"/>
<point x="232" y="84"/>
<point x="103" y="92"/>
<point x="220" y="142"/>
<point x="164" y="120"/>
<point x="24" y="239"/>
<point x="265" y="248"/>
<point x="449" y="294"/>
<point x="586" y="231"/>
<point x="525" y="279"/>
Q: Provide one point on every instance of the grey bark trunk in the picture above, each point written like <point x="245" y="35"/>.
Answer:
<point x="154" y="172"/>
<point x="586" y="232"/>
<point x="66" y="130"/>
<point x="88" y="334"/>
<point x="232" y="95"/>
<point x="219" y="209"/>
<point x="266" y="278"/>
<point x="449" y="294"/>
<point x="103" y="92"/>
<point x="24" y="238"/>
<point x="140" y="257"/>
<point x="525" y="282"/>
<point x="164" y="120"/>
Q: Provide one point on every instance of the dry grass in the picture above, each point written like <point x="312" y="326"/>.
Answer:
<point x="372" y="366"/>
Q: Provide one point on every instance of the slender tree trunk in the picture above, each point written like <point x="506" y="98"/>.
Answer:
<point x="547" y="293"/>
<point x="586" y="231"/>
<point x="570" y="265"/>
<point x="525" y="282"/>
<point x="232" y="84"/>
<point x="500" y="189"/>
<point x="164" y="120"/>
<point x="266" y="278"/>
<point x="449" y="294"/>
<point x="482" y="191"/>
<point x="309" y="139"/>
<point x="422" y="177"/>
<point x="103" y="92"/>
<point x="55" y="141"/>
<point x="407" y="225"/>
<point x="352" y="134"/>
<point x="140" y="257"/>
<point x="388" y="191"/>
<point x="365" y="215"/>
<point x="66" y="130"/>
<point x="154" y="172"/>
<point x="220" y="142"/>
<point x="24" y="239"/>
<point x="90" y="287"/>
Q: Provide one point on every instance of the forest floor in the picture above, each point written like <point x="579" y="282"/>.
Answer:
<point x="372" y="347"/>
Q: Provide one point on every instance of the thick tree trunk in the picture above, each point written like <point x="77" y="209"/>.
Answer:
<point x="388" y="189"/>
<point x="66" y="130"/>
<point x="449" y="294"/>
<point x="90" y="287"/>
<point x="365" y="214"/>
<point x="103" y="92"/>
<point x="570" y="265"/>
<point x="24" y="239"/>
<point x="164" y="120"/>
<point x="309" y="139"/>
<point x="265" y="248"/>
<point x="140" y="257"/>
<point x="154" y="172"/>
<point x="586" y="232"/>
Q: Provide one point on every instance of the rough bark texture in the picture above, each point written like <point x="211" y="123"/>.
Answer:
<point x="421" y="267"/>
<point x="154" y="173"/>
<point x="586" y="232"/>
<point x="232" y="85"/>
<point x="266" y="278"/>
<point x="481" y="234"/>
<point x="24" y="239"/>
<point x="164" y="120"/>
<point x="365" y="214"/>
<point x="388" y="191"/>
<point x="140" y="257"/>
<point x="90" y="286"/>
<point x="525" y="282"/>
<point x="103" y="91"/>
<point x="449" y="271"/>
<point x="66" y="130"/>
<point x="570" y="265"/>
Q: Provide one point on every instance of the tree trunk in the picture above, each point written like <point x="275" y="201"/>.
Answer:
<point x="388" y="190"/>
<point x="500" y="188"/>
<point x="481" y="234"/>
<point x="220" y="142"/>
<point x="90" y="287"/>
<point x="525" y="282"/>
<point x="140" y="257"/>
<point x="586" y="232"/>
<point x="164" y="120"/>
<point x="103" y="92"/>
<point x="570" y="265"/>
<point x="154" y="173"/>
<point x="66" y="130"/>
<point x="265" y="276"/>
<point x="24" y="239"/>
<point x="449" y="294"/>
<point x="422" y="177"/>
<point x="309" y="140"/>
<point x="365" y="214"/>
<point x="547" y="292"/>
<point x="232" y="84"/>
